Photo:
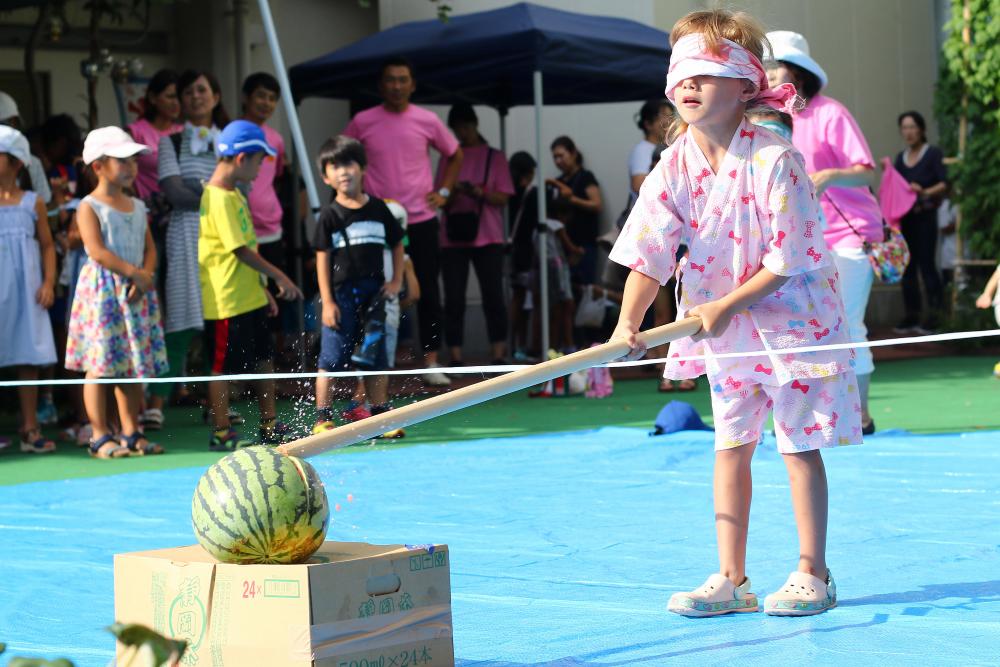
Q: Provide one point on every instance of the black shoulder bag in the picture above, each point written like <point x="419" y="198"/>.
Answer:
<point x="464" y="227"/>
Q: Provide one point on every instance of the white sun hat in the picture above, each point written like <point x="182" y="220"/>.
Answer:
<point x="110" y="141"/>
<point x="793" y="48"/>
<point x="14" y="143"/>
<point x="8" y="107"/>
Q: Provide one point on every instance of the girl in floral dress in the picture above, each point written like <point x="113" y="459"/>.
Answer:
<point x="115" y="329"/>
<point x="759" y="275"/>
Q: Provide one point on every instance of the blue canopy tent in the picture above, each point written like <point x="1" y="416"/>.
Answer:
<point x="489" y="58"/>
<point x="499" y="58"/>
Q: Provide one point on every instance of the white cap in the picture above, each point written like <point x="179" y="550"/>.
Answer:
<point x="793" y="48"/>
<point x="8" y="107"/>
<point x="14" y="143"/>
<point x="110" y="141"/>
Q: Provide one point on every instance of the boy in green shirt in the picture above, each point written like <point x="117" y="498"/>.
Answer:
<point x="236" y="304"/>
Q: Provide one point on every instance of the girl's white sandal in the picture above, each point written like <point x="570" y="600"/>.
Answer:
<point x="802" y="595"/>
<point x="717" y="596"/>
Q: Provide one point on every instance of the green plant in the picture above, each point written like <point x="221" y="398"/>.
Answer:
<point x="149" y="649"/>
<point x="972" y="71"/>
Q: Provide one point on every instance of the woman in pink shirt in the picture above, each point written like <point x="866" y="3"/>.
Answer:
<point x="261" y="93"/>
<point x="483" y="188"/>
<point x="159" y="119"/>
<point x="841" y="167"/>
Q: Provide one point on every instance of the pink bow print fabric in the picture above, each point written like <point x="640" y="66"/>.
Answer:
<point x="759" y="210"/>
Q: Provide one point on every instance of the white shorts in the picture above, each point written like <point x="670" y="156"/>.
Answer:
<point x="808" y="414"/>
<point x="856" y="277"/>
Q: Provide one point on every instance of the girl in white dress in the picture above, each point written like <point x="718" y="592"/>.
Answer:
<point x="27" y="283"/>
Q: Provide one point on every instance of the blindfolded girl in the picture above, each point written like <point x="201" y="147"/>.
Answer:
<point x="760" y="277"/>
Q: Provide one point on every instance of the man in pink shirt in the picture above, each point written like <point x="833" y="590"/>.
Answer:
<point x="397" y="136"/>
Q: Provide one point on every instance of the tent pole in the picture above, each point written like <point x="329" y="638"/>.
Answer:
<point x="303" y="163"/>
<point x="503" y="130"/>
<point x="542" y="303"/>
<point x="286" y="97"/>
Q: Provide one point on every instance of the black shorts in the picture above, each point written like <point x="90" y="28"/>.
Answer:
<point x="273" y="252"/>
<point x="239" y="344"/>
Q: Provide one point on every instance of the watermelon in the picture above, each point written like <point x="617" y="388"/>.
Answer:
<point x="257" y="505"/>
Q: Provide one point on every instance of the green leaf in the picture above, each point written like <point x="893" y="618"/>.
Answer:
<point x="165" y="651"/>
<point x="973" y="70"/>
<point x="39" y="662"/>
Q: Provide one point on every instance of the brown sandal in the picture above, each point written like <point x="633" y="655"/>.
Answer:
<point x="687" y="385"/>
<point x="132" y="443"/>
<point x="107" y="447"/>
<point x="666" y="386"/>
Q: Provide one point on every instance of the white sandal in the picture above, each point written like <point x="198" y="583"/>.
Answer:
<point x="717" y="596"/>
<point x="802" y="595"/>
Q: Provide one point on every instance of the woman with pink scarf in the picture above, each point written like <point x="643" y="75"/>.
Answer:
<point x="841" y="167"/>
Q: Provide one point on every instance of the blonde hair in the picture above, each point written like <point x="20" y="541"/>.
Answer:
<point x="715" y="25"/>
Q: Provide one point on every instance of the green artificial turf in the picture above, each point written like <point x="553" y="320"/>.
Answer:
<point x="932" y="395"/>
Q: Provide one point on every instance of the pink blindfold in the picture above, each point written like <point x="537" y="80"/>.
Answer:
<point x="690" y="58"/>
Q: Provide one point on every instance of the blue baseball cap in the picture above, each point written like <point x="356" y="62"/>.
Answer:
<point x="242" y="136"/>
<point x="678" y="416"/>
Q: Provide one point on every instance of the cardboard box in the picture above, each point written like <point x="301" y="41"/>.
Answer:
<point x="351" y="605"/>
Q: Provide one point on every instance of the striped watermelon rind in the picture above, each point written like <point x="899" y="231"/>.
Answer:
<point x="259" y="506"/>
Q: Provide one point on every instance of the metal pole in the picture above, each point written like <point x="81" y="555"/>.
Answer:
<point x="503" y="129"/>
<point x="503" y="149"/>
<point x="289" y="103"/>
<point x="543" y="264"/>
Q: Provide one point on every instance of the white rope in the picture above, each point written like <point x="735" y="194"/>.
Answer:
<point x="495" y="370"/>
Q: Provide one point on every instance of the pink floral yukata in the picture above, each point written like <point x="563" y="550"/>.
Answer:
<point x="759" y="211"/>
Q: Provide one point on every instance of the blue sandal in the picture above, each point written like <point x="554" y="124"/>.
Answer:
<point x="33" y="442"/>
<point x="99" y="448"/>
<point x="132" y="443"/>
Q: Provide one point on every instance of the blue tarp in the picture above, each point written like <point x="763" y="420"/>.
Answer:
<point x="488" y="58"/>
<point x="565" y="548"/>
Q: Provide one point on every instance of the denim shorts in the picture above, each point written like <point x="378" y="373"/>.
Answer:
<point x="355" y="299"/>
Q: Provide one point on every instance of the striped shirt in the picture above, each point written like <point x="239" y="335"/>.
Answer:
<point x="183" y="288"/>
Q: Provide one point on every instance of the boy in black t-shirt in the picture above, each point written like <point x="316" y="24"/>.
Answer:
<point x="350" y="238"/>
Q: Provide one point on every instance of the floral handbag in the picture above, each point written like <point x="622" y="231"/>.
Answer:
<point x="889" y="257"/>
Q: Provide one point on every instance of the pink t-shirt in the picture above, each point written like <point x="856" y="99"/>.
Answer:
<point x="473" y="170"/>
<point x="264" y="206"/>
<point x="829" y="138"/>
<point x="147" y="179"/>
<point x="758" y="211"/>
<point x="399" y="165"/>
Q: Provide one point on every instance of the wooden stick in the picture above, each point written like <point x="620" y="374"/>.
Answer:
<point x="480" y="392"/>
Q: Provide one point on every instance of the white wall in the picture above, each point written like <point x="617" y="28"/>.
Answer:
<point x="68" y="87"/>
<point x="881" y="55"/>
<point x="306" y="29"/>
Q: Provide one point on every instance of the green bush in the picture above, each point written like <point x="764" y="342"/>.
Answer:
<point x="973" y="70"/>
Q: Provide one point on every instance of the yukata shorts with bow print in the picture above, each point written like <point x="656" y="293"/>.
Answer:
<point x="808" y="414"/>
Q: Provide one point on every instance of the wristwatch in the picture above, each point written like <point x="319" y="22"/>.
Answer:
<point x="444" y="192"/>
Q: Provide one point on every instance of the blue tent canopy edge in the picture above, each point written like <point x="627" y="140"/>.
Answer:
<point x="489" y="58"/>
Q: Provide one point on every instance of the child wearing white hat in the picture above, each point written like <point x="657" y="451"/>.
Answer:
<point x="114" y="327"/>
<point x="28" y="277"/>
